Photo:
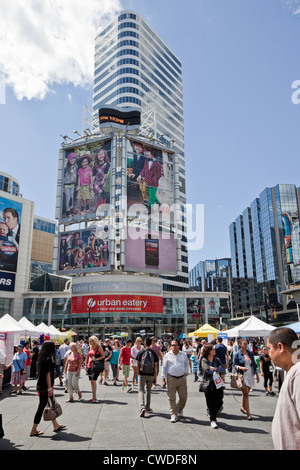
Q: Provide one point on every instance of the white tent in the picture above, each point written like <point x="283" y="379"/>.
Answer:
<point x="11" y="334"/>
<point x="31" y="329"/>
<point x="253" y="326"/>
<point x="55" y="331"/>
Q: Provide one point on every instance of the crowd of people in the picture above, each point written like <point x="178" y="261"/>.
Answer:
<point x="141" y="361"/>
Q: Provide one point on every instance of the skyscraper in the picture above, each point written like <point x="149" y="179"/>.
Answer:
<point x="134" y="67"/>
<point x="265" y="249"/>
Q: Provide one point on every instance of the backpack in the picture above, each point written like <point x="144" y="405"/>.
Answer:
<point x="147" y="363"/>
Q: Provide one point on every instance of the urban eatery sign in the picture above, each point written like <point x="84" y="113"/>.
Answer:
<point x="117" y="303"/>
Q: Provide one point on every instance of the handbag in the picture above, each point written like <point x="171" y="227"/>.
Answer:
<point x="205" y="386"/>
<point x="52" y="411"/>
<point x="218" y="380"/>
<point x="98" y="366"/>
<point x="237" y="381"/>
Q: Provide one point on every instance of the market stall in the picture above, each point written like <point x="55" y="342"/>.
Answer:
<point x="205" y="331"/>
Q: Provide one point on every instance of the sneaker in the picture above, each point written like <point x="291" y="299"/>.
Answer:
<point x="105" y="383"/>
<point x="174" y="419"/>
<point x="180" y="413"/>
<point x="143" y="412"/>
<point x="273" y="394"/>
<point x="214" y="424"/>
<point x="129" y="389"/>
<point x="267" y="394"/>
<point x="149" y="410"/>
<point x="220" y="410"/>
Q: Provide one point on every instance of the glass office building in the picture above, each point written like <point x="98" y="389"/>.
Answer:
<point x="211" y="276"/>
<point x="265" y="249"/>
<point x="135" y="68"/>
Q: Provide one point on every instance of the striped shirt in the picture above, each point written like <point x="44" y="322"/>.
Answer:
<point x="125" y="356"/>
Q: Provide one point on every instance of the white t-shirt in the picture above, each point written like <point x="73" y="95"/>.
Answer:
<point x="286" y="421"/>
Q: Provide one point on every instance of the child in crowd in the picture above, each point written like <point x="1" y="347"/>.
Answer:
<point x="194" y="367"/>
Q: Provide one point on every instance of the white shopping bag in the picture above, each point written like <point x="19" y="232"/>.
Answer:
<point x="218" y="380"/>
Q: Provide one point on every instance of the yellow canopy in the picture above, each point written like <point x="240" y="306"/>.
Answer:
<point x="205" y="330"/>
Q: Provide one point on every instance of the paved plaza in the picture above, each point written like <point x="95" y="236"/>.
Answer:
<point x="114" y="422"/>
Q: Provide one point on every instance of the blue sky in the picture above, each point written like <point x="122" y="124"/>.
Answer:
<point x="239" y="59"/>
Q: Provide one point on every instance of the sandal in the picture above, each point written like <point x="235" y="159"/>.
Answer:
<point x="36" y="434"/>
<point x="79" y="395"/>
<point x="60" y="428"/>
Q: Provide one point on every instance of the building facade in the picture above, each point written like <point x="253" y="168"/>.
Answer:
<point x="134" y="67"/>
<point x="265" y="244"/>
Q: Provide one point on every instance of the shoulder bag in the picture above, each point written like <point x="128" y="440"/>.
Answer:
<point x="237" y="381"/>
<point x="53" y="410"/>
<point x="98" y="366"/>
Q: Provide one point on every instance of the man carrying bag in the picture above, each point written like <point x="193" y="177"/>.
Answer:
<point x="147" y="369"/>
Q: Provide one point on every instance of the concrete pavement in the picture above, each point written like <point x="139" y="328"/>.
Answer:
<point x="114" y="423"/>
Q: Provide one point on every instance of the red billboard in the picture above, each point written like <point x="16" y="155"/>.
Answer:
<point x="117" y="303"/>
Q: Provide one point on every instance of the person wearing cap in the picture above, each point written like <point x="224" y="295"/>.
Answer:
<point x="70" y="180"/>
<point x="18" y="369"/>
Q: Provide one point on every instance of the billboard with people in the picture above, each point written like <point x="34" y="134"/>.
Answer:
<point x="10" y="227"/>
<point x="84" y="251"/>
<point x="86" y="182"/>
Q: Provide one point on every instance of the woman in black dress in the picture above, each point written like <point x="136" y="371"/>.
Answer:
<point x="45" y="385"/>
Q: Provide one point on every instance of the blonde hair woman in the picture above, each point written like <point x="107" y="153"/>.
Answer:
<point x="73" y="367"/>
<point x="95" y="354"/>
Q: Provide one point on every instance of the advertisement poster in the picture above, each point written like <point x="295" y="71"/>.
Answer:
<point x="86" y="180"/>
<point x="150" y="176"/>
<point x="117" y="303"/>
<point x="10" y="226"/>
<point x="153" y="252"/>
<point x="83" y="251"/>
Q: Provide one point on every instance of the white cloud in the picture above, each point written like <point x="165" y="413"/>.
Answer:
<point x="43" y="42"/>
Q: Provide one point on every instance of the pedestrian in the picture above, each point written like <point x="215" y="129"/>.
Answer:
<point x="34" y="359"/>
<point x="108" y="353"/>
<point x="266" y="371"/>
<point x="136" y="348"/>
<point x="124" y="360"/>
<point x="283" y="346"/>
<point x="3" y="367"/>
<point x="45" y="386"/>
<point x="28" y="362"/>
<point x="187" y="348"/>
<point x="18" y="369"/>
<point x="222" y="354"/>
<point x="1" y="425"/>
<point x="114" y="360"/>
<point x="244" y="363"/>
<point x="84" y="349"/>
<point x="73" y="368"/>
<point x="95" y="354"/>
<point x="63" y="349"/>
<point x="174" y="372"/>
<point x="194" y="367"/>
<point x="147" y="361"/>
<point x="58" y="373"/>
<point x="210" y="363"/>
<point x="156" y="348"/>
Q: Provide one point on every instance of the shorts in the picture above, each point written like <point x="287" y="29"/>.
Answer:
<point x="93" y="375"/>
<point x="106" y="365"/>
<point x="84" y="193"/>
<point x="126" y="370"/>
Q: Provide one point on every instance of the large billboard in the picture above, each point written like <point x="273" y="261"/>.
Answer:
<point x="150" y="243"/>
<point x="150" y="252"/>
<point x="84" y="250"/>
<point x="86" y="182"/>
<point x="150" y="176"/>
<point x="10" y="226"/>
<point x="117" y="304"/>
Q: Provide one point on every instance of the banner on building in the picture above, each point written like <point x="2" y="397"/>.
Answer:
<point x="117" y="303"/>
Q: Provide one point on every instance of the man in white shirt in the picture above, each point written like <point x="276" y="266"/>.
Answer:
<point x="174" y="372"/>
<point x="283" y="344"/>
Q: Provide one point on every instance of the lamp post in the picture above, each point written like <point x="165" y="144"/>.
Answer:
<point x="91" y="303"/>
